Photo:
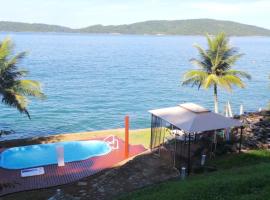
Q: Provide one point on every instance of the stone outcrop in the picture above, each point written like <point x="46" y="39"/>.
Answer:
<point x="256" y="133"/>
<point x="142" y="171"/>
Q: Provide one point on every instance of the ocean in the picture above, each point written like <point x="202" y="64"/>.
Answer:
<point x="92" y="81"/>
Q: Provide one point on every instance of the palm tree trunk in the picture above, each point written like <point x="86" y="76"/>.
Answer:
<point x="215" y="98"/>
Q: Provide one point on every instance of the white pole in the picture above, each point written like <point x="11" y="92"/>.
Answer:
<point x="226" y="111"/>
<point x="183" y="173"/>
<point x="60" y="155"/>
<point x="203" y="160"/>
<point x="227" y="130"/>
<point x="230" y="109"/>
<point x="241" y="110"/>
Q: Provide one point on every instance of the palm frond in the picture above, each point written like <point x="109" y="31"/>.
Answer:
<point x="9" y="66"/>
<point x="14" y="100"/>
<point x="239" y="73"/>
<point x="210" y="80"/>
<point x="194" y="78"/>
<point x="205" y="57"/>
<point x="17" y="58"/>
<point x="29" y="88"/>
<point x="234" y="80"/>
<point x="14" y="90"/>
<point x="6" y="47"/>
<point x="201" y="64"/>
<point x="209" y="41"/>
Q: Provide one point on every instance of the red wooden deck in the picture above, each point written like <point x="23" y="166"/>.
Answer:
<point x="71" y="172"/>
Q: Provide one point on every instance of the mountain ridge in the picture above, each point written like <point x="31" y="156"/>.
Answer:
<point x="152" y="27"/>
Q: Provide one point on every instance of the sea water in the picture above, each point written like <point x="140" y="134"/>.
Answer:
<point x="93" y="81"/>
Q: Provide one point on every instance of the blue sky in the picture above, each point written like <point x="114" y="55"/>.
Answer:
<point x="81" y="13"/>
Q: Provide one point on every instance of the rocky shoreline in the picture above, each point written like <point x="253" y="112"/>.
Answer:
<point x="256" y="134"/>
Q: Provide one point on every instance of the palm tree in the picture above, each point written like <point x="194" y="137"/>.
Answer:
<point x="14" y="90"/>
<point x="215" y="67"/>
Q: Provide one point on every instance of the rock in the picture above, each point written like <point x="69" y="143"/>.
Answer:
<point x="101" y="189"/>
<point x="83" y="194"/>
<point x="95" y="185"/>
<point x="257" y="129"/>
<point x="248" y="129"/>
<point x="81" y="183"/>
<point x="60" y="195"/>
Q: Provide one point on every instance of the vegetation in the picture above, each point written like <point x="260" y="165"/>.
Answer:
<point x="136" y="137"/>
<point x="215" y="67"/>
<point x="6" y="26"/>
<point x="14" y="90"/>
<point x="5" y="132"/>
<point x="173" y="27"/>
<point x="244" y="176"/>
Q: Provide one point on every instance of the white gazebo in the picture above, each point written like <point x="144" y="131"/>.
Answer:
<point x="191" y="119"/>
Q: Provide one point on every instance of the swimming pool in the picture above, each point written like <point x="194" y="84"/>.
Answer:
<point x="45" y="154"/>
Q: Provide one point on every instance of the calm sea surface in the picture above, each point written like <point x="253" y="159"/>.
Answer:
<point x="93" y="81"/>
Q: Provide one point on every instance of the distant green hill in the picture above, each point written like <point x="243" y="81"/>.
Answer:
<point x="26" y="27"/>
<point x="158" y="27"/>
<point x="181" y="27"/>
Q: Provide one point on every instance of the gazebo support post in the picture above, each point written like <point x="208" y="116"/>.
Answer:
<point x="174" y="154"/>
<point x="151" y="140"/>
<point x="127" y="136"/>
<point x="160" y="135"/>
<point x="189" y="159"/>
<point x="241" y="136"/>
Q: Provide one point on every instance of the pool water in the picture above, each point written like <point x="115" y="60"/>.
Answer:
<point x="45" y="154"/>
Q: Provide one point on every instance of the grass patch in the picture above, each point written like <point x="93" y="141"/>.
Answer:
<point x="138" y="136"/>
<point x="247" y="183"/>
<point x="241" y="160"/>
<point x="242" y="177"/>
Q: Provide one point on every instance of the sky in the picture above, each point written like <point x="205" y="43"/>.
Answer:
<point x="82" y="13"/>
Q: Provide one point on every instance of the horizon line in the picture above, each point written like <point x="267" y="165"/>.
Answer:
<point x="65" y="26"/>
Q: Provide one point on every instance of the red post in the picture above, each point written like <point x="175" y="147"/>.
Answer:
<point x="126" y="136"/>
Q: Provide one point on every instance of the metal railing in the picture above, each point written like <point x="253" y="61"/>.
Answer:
<point x="112" y="141"/>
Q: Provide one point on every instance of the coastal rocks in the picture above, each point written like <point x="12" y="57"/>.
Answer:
<point x="142" y="171"/>
<point x="60" y="195"/>
<point x="81" y="183"/>
<point x="256" y="132"/>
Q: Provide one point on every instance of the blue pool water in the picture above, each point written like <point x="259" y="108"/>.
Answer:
<point x="93" y="81"/>
<point x="45" y="154"/>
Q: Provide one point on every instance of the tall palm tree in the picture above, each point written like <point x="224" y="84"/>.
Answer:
<point x="215" y="67"/>
<point x="14" y="90"/>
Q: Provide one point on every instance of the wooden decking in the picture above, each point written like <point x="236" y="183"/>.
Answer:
<point x="71" y="172"/>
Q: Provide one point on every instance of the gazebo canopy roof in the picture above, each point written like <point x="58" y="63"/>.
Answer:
<point x="193" y="118"/>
